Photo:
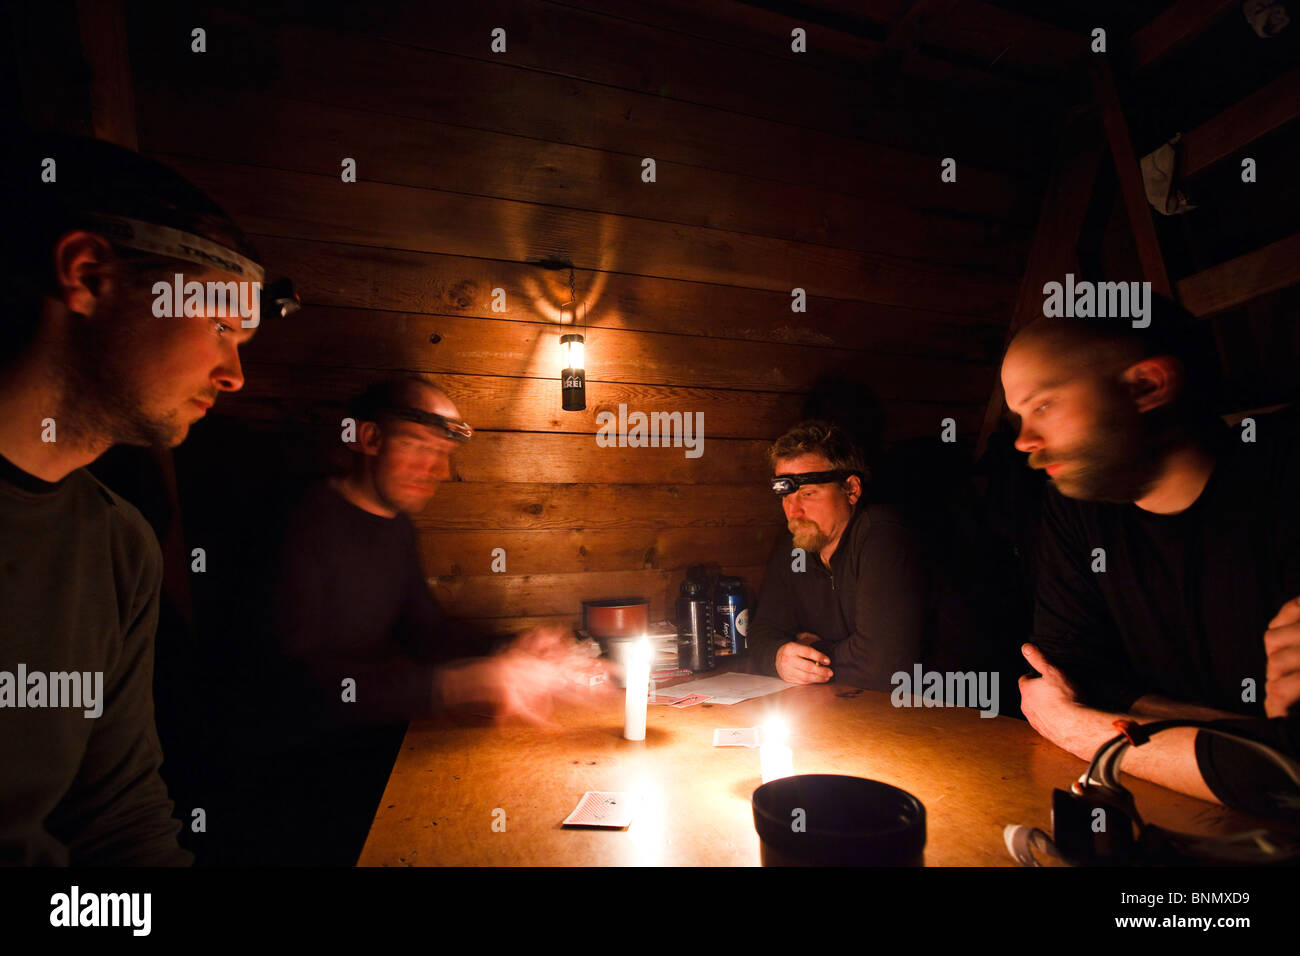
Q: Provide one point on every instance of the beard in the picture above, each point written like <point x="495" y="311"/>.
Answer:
<point x="100" y="401"/>
<point x="809" y="536"/>
<point x="1119" y="463"/>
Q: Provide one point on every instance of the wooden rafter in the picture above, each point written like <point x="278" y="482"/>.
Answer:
<point x="1239" y="280"/>
<point x="1054" y="252"/>
<point x="1130" y="179"/>
<point x="1241" y="124"/>
<point x="1177" y="26"/>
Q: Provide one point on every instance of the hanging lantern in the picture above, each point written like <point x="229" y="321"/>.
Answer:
<point x="573" y="366"/>
<point x="573" y="372"/>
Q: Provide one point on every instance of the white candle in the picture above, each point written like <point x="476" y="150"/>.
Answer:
<point x="775" y="758"/>
<point x="637" y="664"/>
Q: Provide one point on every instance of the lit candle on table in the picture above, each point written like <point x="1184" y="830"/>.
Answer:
<point x="637" y="666"/>
<point x="774" y="756"/>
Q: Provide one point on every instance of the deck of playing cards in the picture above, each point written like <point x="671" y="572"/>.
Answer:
<point x="600" y="808"/>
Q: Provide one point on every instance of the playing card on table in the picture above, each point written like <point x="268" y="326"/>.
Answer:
<point x="735" y="737"/>
<point x="691" y="700"/>
<point x="599" y="808"/>
<point x="665" y="698"/>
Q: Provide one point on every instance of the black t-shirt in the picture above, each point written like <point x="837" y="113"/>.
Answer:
<point x="1183" y="602"/>
<point x="80" y="574"/>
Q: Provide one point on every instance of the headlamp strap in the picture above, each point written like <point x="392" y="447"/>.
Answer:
<point x="452" y="428"/>
<point x="174" y="243"/>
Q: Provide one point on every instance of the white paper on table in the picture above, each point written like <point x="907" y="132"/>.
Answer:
<point x="732" y="688"/>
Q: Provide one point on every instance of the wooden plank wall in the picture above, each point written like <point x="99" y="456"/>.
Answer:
<point x="474" y="167"/>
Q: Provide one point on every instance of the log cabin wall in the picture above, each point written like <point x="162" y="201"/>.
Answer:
<point x="774" y="171"/>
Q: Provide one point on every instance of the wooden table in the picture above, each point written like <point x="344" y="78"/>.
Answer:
<point x="453" y="780"/>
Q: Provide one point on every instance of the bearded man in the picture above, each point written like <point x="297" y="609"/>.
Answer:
<point x="854" y="596"/>
<point x="1169" y="560"/>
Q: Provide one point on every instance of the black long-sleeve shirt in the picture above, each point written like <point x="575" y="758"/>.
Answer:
<point x="80" y="575"/>
<point x="353" y="602"/>
<point x="1182" y="605"/>
<point x="882" y="607"/>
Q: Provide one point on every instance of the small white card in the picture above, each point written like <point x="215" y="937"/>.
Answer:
<point x="735" y="737"/>
<point x="600" y="808"/>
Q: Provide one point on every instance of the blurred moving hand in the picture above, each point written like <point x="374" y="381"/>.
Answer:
<point x="542" y="666"/>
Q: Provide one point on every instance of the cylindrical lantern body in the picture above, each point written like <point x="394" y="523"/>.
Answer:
<point x="573" y="372"/>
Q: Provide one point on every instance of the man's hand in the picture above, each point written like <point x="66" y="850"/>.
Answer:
<point x="541" y="666"/>
<point x="1282" y="644"/>
<point x="1051" y="705"/>
<point x="797" y="663"/>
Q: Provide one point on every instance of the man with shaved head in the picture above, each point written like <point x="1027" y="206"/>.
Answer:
<point x="1168" y="578"/>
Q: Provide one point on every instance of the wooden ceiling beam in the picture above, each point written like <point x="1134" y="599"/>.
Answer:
<point x="1237" y="281"/>
<point x="1054" y="252"/>
<point x="1240" y="124"/>
<point x="1181" y="23"/>
<point x="1130" y="179"/>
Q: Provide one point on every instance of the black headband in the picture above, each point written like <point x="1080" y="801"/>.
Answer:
<point x="786" y="484"/>
<point x="451" y="428"/>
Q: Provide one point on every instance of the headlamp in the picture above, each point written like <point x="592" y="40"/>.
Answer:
<point x="786" y="484"/>
<point x="276" y="298"/>
<point x="451" y="428"/>
<point x="279" y="299"/>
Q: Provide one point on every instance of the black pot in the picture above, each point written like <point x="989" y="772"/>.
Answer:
<point x="846" y="821"/>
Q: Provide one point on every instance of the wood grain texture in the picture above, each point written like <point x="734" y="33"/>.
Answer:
<point x="450" y="553"/>
<point x="463" y="506"/>
<point x="339" y="274"/>
<point x="311" y="138"/>
<point x="974" y="775"/>
<point x="354" y="72"/>
<point x="503" y="595"/>
<point x="393" y="341"/>
<point x="290" y="396"/>
<point x="367" y="213"/>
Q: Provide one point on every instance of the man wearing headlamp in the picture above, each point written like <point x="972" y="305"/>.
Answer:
<point x="372" y="646"/>
<point x="88" y="363"/>
<point x="853" y="596"/>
